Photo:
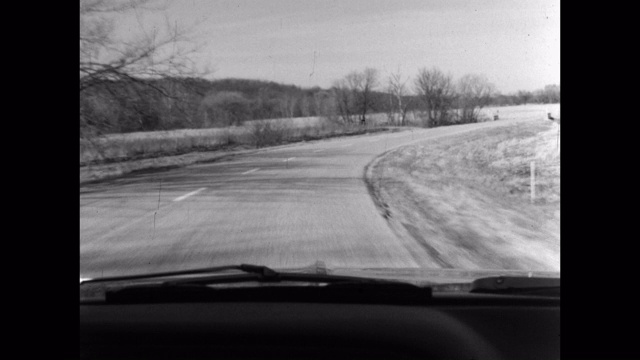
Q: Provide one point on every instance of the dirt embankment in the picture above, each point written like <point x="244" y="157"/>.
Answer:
<point x="466" y="198"/>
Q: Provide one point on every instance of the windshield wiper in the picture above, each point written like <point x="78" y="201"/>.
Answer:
<point x="255" y="269"/>
<point x="324" y="287"/>
<point x="252" y="273"/>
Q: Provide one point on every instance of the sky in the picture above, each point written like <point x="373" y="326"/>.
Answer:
<point x="515" y="44"/>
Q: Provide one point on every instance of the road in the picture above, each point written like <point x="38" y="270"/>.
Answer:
<point x="288" y="206"/>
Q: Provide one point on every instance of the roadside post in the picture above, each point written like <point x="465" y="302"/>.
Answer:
<point x="558" y="139"/>
<point x="533" y="181"/>
<point x="532" y="171"/>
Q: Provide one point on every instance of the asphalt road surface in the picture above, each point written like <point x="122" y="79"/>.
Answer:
<point x="288" y="206"/>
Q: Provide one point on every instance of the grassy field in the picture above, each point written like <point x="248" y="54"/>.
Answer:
<point x="522" y="112"/>
<point x="466" y="198"/>
<point x="116" y="155"/>
<point x="133" y="146"/>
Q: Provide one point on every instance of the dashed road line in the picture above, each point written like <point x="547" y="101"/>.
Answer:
<point x="180" y="198"/>
<point x="291" y="158"/>
<point x="319" y="150"/>
<point x="250" y="171"/>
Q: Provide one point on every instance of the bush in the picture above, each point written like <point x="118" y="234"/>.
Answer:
<point x="268" y="133"/>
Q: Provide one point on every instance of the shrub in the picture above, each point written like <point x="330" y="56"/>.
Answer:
<point x="267" y="133"/>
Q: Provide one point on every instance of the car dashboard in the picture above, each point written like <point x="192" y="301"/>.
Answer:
<point x="446" y="326"/>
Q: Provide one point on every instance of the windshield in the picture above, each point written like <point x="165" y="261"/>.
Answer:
<point x="399" y="139"/>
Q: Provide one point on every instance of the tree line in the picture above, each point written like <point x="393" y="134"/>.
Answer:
<point x="120" y="106"/>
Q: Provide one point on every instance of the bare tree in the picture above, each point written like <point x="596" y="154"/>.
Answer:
<point x="368" y="82"/>
<point x="325" y="105"/>
<point x="354" y="94"/>
<point x="109" y="60"/>
<point x="305" y="106"/>
<point x="287" y="104"/>
<point x="437" y="94"/>
<point x="474" y="93"/>
<point x="524" y="97"/>
<point x="344" y="99"/>
<point x="550" y="94"/>
<point x="225" y="108"/>
<point x="398" y="90"/>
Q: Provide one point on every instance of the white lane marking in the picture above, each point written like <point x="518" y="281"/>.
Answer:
<point x="250" y="171"/>
<point x="187" y="195"/>
<point x="291" y="158"/>
<point x="346" y="145"/>
<point x="317" y="151"/>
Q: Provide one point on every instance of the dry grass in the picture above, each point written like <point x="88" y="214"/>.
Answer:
<point x="123" y="147"/>
<point x="466" y="198"/>
<point x="145" y="145"/>
<point x="116" y="155"/>
<point x="99" y="172"/>
<point x="521" y="112"/>
<point x="529" y="112"/>
<point x="131" y="146"/>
